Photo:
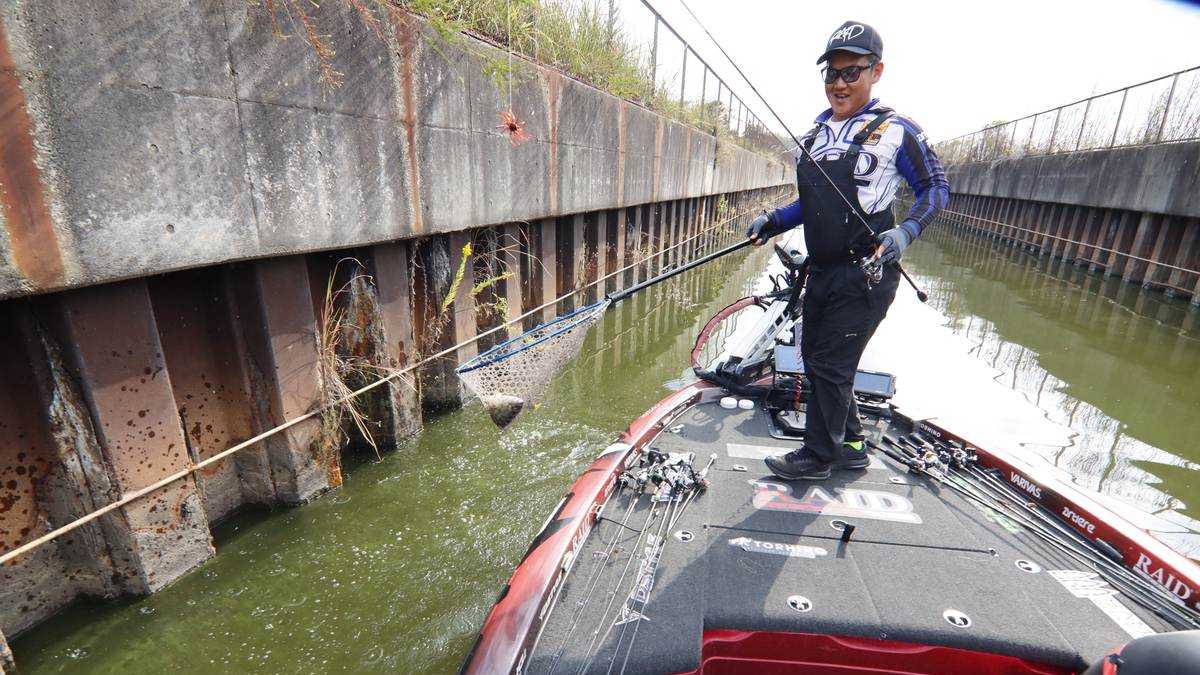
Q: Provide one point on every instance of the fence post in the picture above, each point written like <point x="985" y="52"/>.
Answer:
<point x="1086" y="109"/>
<point x="1032" y="128"/>
<point x="608" y="38"/>
<point x="683" y="76"/>
<point x="703" y="91"/>
<point x="654" y="61"/>
<point x="730" y="109"/>
<point x="1054" y="130"/>
<point x="1167" y="108"/>
<point x="1117" y="126"/>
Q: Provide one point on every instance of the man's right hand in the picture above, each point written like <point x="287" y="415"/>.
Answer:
<point x="759" y="231"/>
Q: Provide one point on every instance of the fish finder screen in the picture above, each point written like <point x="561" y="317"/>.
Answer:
<point x="874" y="384"/>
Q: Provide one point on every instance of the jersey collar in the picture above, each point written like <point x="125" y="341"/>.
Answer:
<point x="824" y="117"/>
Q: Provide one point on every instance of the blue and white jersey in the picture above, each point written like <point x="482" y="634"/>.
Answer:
<point x="896" y="151"/>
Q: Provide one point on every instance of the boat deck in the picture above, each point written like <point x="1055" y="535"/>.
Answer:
<point x="766" y="555"/>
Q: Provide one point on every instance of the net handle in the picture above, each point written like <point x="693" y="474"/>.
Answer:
<point x="621" y="295"/>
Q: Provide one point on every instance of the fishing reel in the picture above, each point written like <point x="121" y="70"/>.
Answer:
<point x="873" y="269"/>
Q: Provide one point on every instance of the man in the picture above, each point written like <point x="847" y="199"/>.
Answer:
<point x="847" y="173"/>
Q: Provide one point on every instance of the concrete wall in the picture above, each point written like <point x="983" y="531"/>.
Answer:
<point x="1162" y="179"/>
<point x="1127" y="212"/>
<point x="144" y="137"/>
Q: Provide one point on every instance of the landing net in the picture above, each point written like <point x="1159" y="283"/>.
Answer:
<point x="512" y="376"/>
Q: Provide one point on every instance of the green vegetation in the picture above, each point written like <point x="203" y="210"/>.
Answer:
<point x="579" y="38"/>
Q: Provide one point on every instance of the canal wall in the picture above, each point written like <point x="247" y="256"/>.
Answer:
<point x="146" y="137"/>
<point x="1132" y="213"/>
<point x="200" y="243"/>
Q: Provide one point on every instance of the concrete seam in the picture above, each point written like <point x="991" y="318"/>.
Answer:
<point x="237" y="112"/>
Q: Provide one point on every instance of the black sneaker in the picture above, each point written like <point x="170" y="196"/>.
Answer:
<point x="854" y="456"/>
<point x="799" y="464"/>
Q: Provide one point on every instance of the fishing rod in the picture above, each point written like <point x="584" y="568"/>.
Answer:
<point x="594" y="578"/>
<point x="677" y="481"/>
<point x="699" y="483"/>
<point x="1097" y="554"/>
<point x="596" y="640"/>
<point x="1005" y="495"/>
<point x="1152" y="598"/>
<point x="921" y="295"/>
<point x="1002" y="497"/>
<point x="643" y="585"/>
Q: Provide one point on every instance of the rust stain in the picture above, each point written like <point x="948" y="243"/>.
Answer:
<point x="30" y="228"/>
<point x="687" y="158"/>
<point x="406" y="35"/>
<point x="554" y="82"/>
<point x="658" y="143"/>
<point x="621" y="143"/>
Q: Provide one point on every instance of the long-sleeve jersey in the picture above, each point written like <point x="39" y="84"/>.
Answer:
<point x="897" y="150"/>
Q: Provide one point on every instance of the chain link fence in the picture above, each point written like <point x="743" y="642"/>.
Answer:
<point x="1163" y="110"/>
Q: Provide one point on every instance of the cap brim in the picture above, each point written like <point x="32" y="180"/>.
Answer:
<point x="852" y="50"/>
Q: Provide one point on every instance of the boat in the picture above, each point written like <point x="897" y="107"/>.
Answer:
<point x="677" y="551"/>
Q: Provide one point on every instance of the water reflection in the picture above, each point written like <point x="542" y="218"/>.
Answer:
<point x="1114" y="364"/>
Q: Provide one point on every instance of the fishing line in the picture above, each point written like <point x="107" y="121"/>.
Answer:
<point x="594" y="578"/>
<point x="596" y="640"/>
<point x="655" y="559"/>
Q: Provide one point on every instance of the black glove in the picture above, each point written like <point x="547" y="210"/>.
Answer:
<point x="761" y="229"/>
<point x="892" y="244"/>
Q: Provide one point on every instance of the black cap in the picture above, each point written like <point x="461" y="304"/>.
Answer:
<point x="854" y="37"/>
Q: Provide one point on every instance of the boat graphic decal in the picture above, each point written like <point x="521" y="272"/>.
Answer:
<point x="846" y="502"/>
<point x="1162" y="577"/>
<point x="1089" y="586"/>
<point x="776" y="548"/>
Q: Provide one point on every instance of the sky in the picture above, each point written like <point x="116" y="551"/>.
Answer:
<point x="953" y="67"/>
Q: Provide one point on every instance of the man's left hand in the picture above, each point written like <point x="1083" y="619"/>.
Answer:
<point x="892" y="244"/>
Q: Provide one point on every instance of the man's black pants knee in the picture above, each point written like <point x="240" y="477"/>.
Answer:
<point x="840" y="315"/>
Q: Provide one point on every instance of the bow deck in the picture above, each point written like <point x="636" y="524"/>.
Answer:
<point x="755" y="558"/>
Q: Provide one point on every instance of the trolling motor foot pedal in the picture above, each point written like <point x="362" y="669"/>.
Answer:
<point x="786" y="424"/>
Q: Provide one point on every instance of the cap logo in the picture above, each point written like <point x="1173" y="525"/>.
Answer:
<point x="846" y="33"/>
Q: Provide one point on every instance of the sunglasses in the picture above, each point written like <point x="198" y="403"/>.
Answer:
<point x="849" y="74"/>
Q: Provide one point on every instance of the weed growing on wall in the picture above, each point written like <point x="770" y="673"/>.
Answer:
<point x="577" y="37"/>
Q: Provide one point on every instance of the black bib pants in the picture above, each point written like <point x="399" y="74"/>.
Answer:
<point x="841" y="310"/>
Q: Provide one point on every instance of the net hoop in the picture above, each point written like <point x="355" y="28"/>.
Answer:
<point x="513" y="346"/>
<point x="706" y="332"/>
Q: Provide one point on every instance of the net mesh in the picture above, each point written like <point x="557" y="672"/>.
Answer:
<point x="512" y="376"/>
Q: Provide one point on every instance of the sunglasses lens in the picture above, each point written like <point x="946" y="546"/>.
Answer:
<point x="850" y="75"/>
<point x="831" y="75"/>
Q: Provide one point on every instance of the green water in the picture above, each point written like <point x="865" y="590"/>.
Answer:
<point x="395" y="571"/>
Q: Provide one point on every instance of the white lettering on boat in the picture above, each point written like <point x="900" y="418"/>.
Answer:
<point x="848" y="502"/>
<point x="1025" y="484"/>
<point x="1078" y="520"/>
<point x="776" y="548"/>
<point x="1163" y="578"/>
<point x="1089" y="586"/>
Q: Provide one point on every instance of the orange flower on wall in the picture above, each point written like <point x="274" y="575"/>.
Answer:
<point x="514" y="127"/>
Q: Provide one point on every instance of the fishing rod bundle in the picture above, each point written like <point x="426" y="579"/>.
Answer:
<point x="672" y="482"/>
<point x="956" y="467"/>
<point x="512" y="376"/>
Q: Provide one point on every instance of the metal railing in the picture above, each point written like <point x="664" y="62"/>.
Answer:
<point x="695" y="89"/>
<point x="1163" y="110"/>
